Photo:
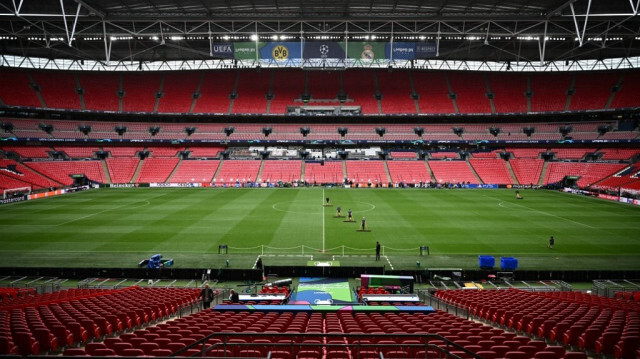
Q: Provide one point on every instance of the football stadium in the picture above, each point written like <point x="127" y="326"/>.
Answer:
<point x="320" y="180"/>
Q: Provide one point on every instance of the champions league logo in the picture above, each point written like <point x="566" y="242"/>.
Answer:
<point x="324" y="51"/>
<point x="368" y="54"/>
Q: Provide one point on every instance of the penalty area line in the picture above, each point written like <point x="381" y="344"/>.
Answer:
<point x="388" y="261"/>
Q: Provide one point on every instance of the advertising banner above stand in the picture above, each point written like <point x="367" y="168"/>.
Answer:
<point x="291" y="51"/>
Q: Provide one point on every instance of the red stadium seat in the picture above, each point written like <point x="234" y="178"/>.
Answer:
<point x="74" y="352"/>
<point x="575" y="355"/>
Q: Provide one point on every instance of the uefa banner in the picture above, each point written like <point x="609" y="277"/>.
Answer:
<point x="245" y="50"/>
<point x="293" y="51"/>
<point x="410" y="50"/>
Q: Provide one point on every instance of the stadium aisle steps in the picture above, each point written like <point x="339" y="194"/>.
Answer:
<point x="36" y="89"/>
<point x="218" y="170"/>
<point x="175" y="169"/>
<point x="197" y="91"/>
<point x="426" y="164"/>
<point x="416" y="103"/>
<point x="136" y="174"/>
<point x="105" y="169"/>
<point x="386" y="170"/>
<point x="259" y="175"/>
<point x="160" y="91"/>
<point x="76" y="80"/>
<point x="234" y="90"/>
<point x="569" y="95"/>
<point x="543" y="173"/>
<point x="511" y="173"/>
<point x="454" y="100"/>
<point x="473" y="170"/>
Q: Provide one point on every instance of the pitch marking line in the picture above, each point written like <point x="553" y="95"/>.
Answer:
<point x="146" y="203"/>
<point x="388" y="261"/>
<point x="256" y="262"/>
<point x="347" y="255"/>
<point x="542" y="212"/>
<point x="288" y="255"/>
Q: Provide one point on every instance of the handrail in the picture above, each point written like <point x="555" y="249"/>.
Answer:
<point x="440" y="304"/>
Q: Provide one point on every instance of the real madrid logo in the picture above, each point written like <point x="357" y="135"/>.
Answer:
<point x="280" y="53"/>
<point x="368" y="54"/>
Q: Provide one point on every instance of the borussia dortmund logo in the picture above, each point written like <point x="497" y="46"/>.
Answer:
<point x="280" y="53"/>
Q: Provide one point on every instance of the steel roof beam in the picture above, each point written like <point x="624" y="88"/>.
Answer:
<point x="92" y="9"/>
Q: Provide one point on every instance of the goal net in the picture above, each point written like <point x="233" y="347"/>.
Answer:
<point x="16" y="192"/>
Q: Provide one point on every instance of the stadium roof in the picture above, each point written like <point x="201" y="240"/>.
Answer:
<point x="468" y="30"/>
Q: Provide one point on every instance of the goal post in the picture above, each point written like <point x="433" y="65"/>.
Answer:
<point x="15" y="192"/>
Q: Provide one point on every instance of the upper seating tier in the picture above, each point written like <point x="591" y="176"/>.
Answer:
<point x="16" y="89"/>
<point x="174" y="91"/>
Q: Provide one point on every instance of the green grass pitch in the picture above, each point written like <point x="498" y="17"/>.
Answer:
<point x="119" y="227"/>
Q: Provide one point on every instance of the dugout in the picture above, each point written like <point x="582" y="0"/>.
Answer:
<point x="80" y="180"/>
